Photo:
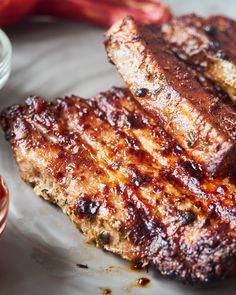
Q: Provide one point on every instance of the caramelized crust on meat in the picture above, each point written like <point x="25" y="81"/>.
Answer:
<point x="126" y="183"/>
<point x="166" y="89"/>
<point x="208" y="43"/>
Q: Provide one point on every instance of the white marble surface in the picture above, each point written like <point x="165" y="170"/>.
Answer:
<point x="204" y="7"/>
<point x="40" y="247"/>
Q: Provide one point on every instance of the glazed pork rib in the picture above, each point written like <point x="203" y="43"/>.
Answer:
<point x="207" y="43"/>
<point x="126" y="183"/>
<point x="166" y="88"/>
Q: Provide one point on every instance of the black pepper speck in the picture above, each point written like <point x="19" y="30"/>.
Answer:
<point x="104" y="238"/>
<point x="141" y="92"/>
<point x="221" y="54"/>
<point x="210" y="30"/>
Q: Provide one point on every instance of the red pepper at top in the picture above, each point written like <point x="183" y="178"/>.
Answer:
<point x="102" y="12"/>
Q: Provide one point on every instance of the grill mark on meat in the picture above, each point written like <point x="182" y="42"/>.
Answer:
<point x="189" y="185"/>
<point x="84" y="206"/>
<point x="114" y="153"/>
<point x="147" y="157"/>
<point x="142" y="226"/>
<point x="136" y="180"/>
<point x="60" y="167"/>
<point x="144" y="222"/>
<point x="61" y="164"/>
<point x="184" y="172"/>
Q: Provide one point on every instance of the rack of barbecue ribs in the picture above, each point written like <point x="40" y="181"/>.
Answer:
<point x="147" y="171"/>
<point x="167" y="89"/>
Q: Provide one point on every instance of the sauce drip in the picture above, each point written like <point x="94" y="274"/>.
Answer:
<point x="143" y="282"/>
<point x="80" y="265"/>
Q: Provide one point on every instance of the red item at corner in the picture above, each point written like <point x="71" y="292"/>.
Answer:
<point x="106" y="12"/>
<point x="101" y="12"/>
<point x="12" y="11"/>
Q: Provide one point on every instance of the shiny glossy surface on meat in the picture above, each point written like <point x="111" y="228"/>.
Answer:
<point x="167" y="89"/>
<point x="208" y="43"/>
<point x="126" y="183"/>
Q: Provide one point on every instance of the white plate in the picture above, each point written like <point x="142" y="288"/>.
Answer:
<point x="40" y="247"/>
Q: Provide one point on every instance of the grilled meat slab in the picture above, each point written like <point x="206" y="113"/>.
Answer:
<point x="208" y="43"/>
<point x="166" y="88"/>
<point x="126" y="183"/>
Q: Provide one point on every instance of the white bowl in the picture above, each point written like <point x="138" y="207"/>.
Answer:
<point x="5" y="58"/>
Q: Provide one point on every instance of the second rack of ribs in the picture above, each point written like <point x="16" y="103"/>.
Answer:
<point x="199" y="121"/>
